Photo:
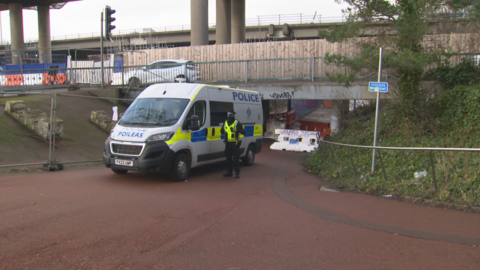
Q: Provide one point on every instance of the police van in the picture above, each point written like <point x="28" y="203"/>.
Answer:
<point x="173" y="127"/>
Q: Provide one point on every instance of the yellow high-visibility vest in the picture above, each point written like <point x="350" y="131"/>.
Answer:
<point x="231" y="131"/>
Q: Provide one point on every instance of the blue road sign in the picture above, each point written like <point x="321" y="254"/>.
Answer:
<point x="378" y="87"/>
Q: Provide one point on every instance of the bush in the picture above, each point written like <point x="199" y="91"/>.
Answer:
<point x="453" y="123"/>
<point x="466" y="73"/>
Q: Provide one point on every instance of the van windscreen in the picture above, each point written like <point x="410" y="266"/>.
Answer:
<point x="154" y="112"/>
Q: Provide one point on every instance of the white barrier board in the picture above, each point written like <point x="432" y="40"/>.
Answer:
<point x="295" y="140"/>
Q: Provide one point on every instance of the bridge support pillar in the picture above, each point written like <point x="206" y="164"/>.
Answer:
<point x="238" y="21"/>
<point x="44" y="41"/>
<point x="223" y="25"/>
<point x="16" y="32"/>
<point x="199" y="22"/>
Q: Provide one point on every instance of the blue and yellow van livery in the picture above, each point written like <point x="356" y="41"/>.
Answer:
<point x="172" y="127"/>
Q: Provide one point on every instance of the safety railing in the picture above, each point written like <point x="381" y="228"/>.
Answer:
<point x="349" y="161"/>
<point x="257" y="21"/>
<point x="313" y="68"/>
<point x="54" y="130"/>
<point x="284" y="69"/>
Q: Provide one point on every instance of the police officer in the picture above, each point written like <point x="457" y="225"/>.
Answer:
<point x="232" y="128"/>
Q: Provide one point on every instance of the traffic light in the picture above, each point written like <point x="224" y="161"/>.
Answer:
<point x="108" y="22"/>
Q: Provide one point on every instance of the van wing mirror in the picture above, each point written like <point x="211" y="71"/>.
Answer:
<point x="193" y="122"/>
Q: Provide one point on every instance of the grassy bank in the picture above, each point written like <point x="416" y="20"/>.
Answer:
<point x="450" y="120"/>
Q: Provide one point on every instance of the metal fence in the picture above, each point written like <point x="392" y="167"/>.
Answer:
<point x="58" y="128"/>
<point x="285" y="69"/>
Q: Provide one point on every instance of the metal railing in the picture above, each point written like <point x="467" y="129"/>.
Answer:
<point x="312" y="68"/>
<point x="68" y="124"/>
<point x="279" y="19"/>
<point x="285" y="69"/>
<point x="431" y="163"/>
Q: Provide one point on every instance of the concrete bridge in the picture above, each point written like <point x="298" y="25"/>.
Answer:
<point x="286" y="64"/>
<point x="317" y="90"/>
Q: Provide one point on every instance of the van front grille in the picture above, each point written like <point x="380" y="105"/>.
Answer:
<point x="126" y="149"/>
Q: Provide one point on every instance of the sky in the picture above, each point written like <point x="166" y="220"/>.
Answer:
<point x="82" y="18"/>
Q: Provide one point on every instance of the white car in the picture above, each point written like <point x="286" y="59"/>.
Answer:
<point x="170" y="70"/>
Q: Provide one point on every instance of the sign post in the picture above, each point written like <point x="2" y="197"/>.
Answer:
<point x="379" y="87"/>
<point x="101" y="47"/>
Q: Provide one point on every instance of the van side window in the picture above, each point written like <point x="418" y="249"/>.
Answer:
<point x="199" y="109"/>
<point x="218" y="112"/>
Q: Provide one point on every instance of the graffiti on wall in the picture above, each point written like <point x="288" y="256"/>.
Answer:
<point x="284" y="95"/>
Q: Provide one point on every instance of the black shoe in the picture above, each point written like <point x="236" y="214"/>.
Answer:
<point x="237" y="175"/>
<point x="227" y="174"/>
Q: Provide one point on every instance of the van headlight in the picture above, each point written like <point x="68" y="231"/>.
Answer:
<point x="160" y="137"/>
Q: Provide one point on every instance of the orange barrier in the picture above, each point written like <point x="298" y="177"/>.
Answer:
<point x="60" y="78"/>
<point x="18" y="79"/>
<point x="48" y="79"/>
<point x="13" y="80"/>
<point x="9" y="80"/>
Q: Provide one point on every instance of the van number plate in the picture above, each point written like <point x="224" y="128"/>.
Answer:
<point x="123" y="162"/>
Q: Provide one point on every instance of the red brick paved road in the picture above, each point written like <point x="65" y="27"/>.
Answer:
<point x="273" y="217"/>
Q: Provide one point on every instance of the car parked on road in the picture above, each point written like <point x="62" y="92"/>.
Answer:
<point x="168" y="70"/>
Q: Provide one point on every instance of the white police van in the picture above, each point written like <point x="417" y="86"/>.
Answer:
<point x="172" y="127"/>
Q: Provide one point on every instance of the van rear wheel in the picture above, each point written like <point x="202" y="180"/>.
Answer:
<point x="180" y="167"/>
<point x="249" y="156"/>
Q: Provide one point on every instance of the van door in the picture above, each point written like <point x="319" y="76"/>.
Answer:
<point x="198" y="139"/>
<point x="218" y="116"/>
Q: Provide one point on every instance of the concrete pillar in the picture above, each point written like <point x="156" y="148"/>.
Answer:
<point x="223" y="29"/>
<point x="199" y="22"/>
<point x="16" y="32"/>
<point x="44" y="41"/>
<point x="238" y="21"/>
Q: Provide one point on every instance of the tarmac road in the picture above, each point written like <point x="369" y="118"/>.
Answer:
<point x="273" y="217"/>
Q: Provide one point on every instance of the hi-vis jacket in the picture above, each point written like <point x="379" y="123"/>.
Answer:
<point x="233" y="131"/>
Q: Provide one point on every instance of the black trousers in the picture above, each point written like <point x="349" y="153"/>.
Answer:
<point x="232" y="152"/>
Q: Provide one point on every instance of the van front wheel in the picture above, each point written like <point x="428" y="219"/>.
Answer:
<point x="180" y="167"/>
<point x="249" y="156"/>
